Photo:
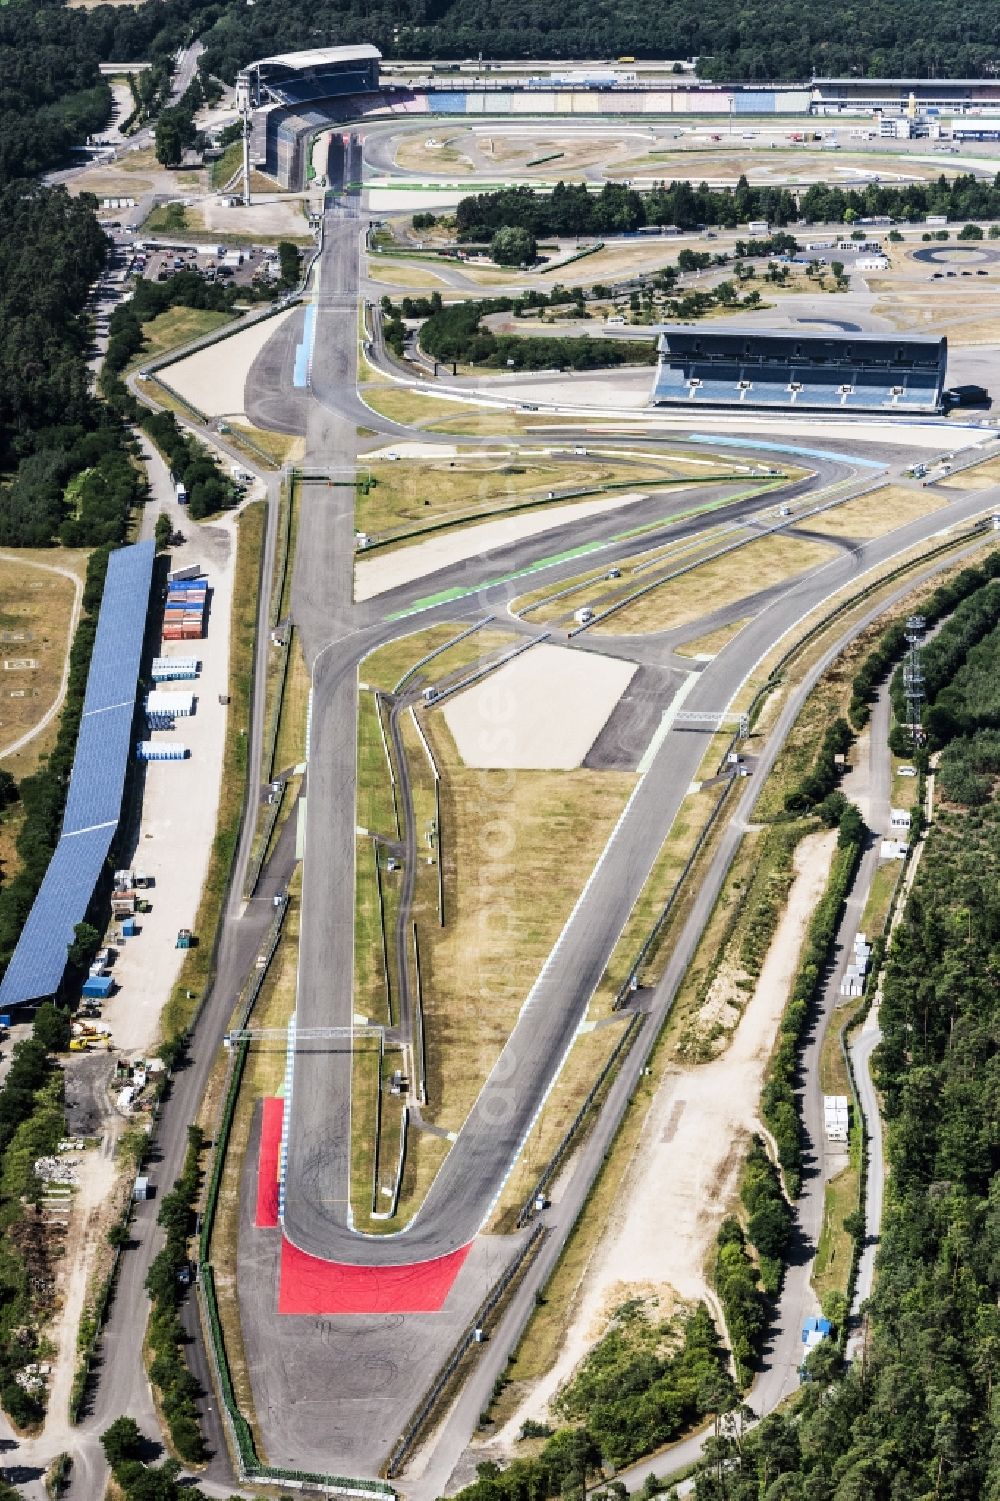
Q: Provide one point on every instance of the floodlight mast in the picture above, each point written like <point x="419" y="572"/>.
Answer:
<point x="913" y="676"/>
<point x="244" y="106"/>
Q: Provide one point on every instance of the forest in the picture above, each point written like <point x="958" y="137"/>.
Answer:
<point x="753" y="41"/>
<point x="571" y="209"/>
<point x="52" y="97"/>
<point x="919" y="1418"/>
<point x="65" y="451"/>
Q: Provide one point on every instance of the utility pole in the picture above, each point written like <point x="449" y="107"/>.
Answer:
<point x="244" y="106"/>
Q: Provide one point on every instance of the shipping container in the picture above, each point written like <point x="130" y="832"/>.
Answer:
<point x="129" y="928"/>
<point x="190" y="572"/>
<point x="160" y="704"/>
<point x="166" y="669"/>
<point x="99" y="986"/>
<point x="160" y="750"/>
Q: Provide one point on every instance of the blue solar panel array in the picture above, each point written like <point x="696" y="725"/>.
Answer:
<point x="102" y="754"/>
<point x="114" y="667"/>
<point x="94" y="800"/>
<point x="37" y="964"/>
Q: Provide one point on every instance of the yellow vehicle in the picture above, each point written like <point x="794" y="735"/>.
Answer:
<point x="626" y="59"/>
<point x="81" y="1044"/>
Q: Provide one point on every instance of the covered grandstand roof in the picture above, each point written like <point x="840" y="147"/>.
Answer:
<point x="321" y="57"/>
<point x="679" y="333"/>
<point x="97" y="781"/>
<point x="831" y="370"/>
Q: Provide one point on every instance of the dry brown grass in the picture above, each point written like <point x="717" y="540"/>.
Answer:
<point x="507" y="836"/>
<point x="391" y="271"/>
<point x="721" y="581"/>
<point x="404" y="404"/>
<point x="588" y="1055"/>
<point x="290" y="746"/>
<point x="596" y="589"/>
<point x="876" y="513"/>
<point x="37" y="619"/>
<point x="414" y="153"/>
<point x="282" y="448"/>
<point x="977" y="477"/>
<point x="712" y="642"/>
<point x="386" y="666"/>
<point x="419" y="492"/>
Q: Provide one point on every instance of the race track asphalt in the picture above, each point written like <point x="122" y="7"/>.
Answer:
<point x="337" y="636"/>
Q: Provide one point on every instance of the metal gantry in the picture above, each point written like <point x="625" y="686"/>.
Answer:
<point x="292" y="1036"/>
<point x="716" y="719"/>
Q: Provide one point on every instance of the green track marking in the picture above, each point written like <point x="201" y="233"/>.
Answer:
<point x="448" y="595"/>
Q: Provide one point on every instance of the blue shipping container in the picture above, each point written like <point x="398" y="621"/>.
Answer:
<point x="99" y="986"/>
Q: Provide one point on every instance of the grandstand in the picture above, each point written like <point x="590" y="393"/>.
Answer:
<point x="295" y="95"/>
<point x="775" y="368"/>
<point x="322" y="73"/>
<point x="96" y="786"/>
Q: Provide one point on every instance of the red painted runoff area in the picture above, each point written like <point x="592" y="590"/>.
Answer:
<point x="267" y="1164"/>
<point x="311" y="1285"/>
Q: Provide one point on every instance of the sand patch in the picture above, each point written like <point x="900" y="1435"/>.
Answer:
<point x="213" y="379"/>
<point x="552" y="702"/>
<point x="376" y="575"/>
<point x="688" y="1158"/>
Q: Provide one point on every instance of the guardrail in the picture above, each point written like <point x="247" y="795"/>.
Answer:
<point x="428" y="1403"/>
<point x="621" y="1047"/>
<point x="249" y="1465"/>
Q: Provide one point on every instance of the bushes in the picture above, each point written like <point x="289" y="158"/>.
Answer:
<point x="745" y="1287"/>
<point x="941" y="656"/>
<point x="967" y="768"/>
<point x="769" y="1221"/>
<point x="32" y="1123"/>
<point x="778" y="1102"/>
<point x="177" y="1387"/>
<point x="737" y="1283"/>
<point x="455" y="333"/>
<point x="820" y="782"/>
<point x="632" y="1394"/>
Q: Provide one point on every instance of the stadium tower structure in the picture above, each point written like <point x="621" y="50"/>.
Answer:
<point x="287" y="98"/>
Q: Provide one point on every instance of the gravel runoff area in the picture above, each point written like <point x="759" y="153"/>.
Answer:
<point x="389" y="570"/>
<point x="540" y="712"/>
<point x="212" y="380"/>
<point x="687" y="1163"/>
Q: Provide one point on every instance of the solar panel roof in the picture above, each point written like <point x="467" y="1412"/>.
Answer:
<point x="94" y="799"/>
<point x="121" y="625"/>
<point x="98" y="780"/>
<point x="37" y="965"/>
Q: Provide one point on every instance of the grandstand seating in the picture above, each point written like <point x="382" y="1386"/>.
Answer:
<point x="313" y="87"/>
<point x="850" y="372"/>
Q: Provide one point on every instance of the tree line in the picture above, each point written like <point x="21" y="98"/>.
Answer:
<point x="918" y="1415"/>
<point x="571" y="209"/>
<point x="65" y="452"/>
<point x="455" y="332"/>
<point x="31" y="1126"/>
